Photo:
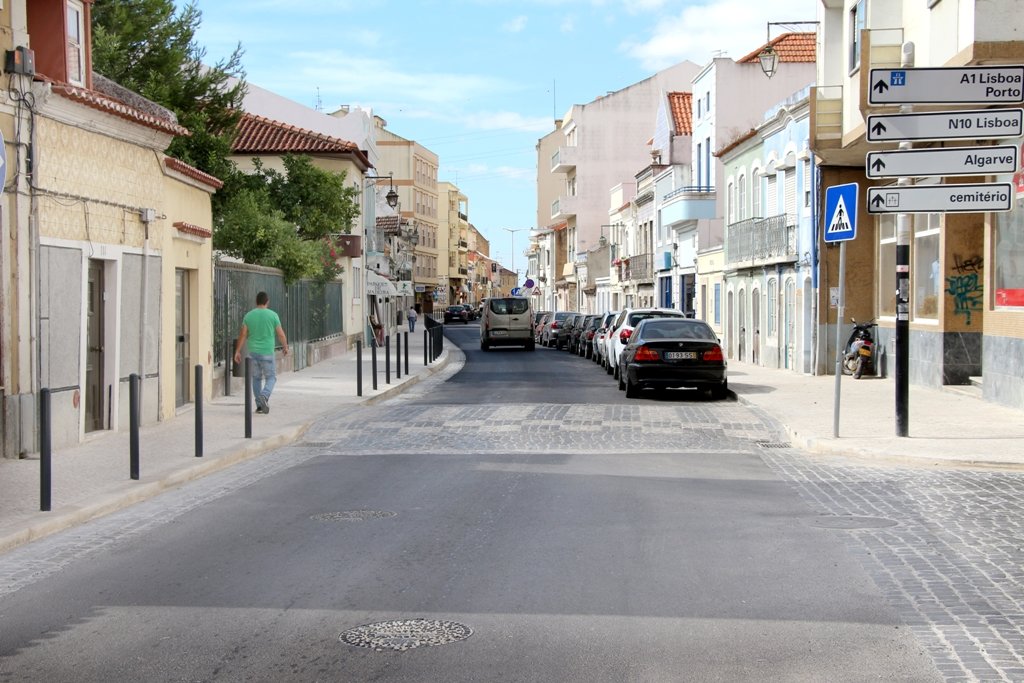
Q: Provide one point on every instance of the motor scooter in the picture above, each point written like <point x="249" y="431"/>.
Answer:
<point x="859" y="354"/>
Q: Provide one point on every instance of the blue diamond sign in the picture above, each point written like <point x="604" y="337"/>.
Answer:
<point x="841" y="212"/>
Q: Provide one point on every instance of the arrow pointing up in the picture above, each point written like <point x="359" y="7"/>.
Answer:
<point x="878" y="164"/>
<point x="878" y="128"/>
<point x="881" y="86"/>
<point x="878" y="200"/>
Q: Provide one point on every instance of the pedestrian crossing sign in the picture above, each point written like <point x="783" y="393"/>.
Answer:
<point x="841" y="212"/>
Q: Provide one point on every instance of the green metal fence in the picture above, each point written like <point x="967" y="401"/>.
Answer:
<point x="309" y="311"/>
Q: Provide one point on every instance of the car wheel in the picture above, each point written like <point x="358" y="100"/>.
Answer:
<point x="632" y="390"/>
<point x="621" y="383"/>
<point x="608" y="368"/>
<point x="719" y="393"/>
<point x="484" y="346"/>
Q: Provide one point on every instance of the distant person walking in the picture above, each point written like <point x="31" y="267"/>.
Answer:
<point x="411" y="316"/>
<point x="260" y="326"/>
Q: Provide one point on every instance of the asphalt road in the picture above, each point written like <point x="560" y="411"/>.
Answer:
<point x="521" y="507"/>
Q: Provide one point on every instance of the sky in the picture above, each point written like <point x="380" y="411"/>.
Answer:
<point x="478" y="82"/>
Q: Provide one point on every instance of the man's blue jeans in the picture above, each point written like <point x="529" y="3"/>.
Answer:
<point x="264" y="374"/>
<point x="412" y="324"/>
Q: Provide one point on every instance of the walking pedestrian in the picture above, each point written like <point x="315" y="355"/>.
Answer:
<point x="411" y="315"/>
<point x="260" y="326"/>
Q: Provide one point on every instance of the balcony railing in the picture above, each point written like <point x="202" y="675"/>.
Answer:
<point x="563" y="160"/>
<point x="564" y="207"/>
<point x="638" y="267"/>
<point x="760" y="241"/>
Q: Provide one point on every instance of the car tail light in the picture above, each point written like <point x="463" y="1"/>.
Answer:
<point x="554" y="325"/>
<point x="590" y="334"/>
<point x="714" y="354"/>
<point x="646" y="353"/>
<point x="626" y="333"/>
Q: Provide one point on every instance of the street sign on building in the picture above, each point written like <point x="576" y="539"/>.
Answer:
<point x="946" y="125"/>
<point x="947" y="85"/>
<point x="941" y="161"/>
<point x="965" y="198"/>
<point x="841" y="212"/>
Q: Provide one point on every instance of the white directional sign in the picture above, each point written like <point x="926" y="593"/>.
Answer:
<point x="946" y="125"/>
<point x="942" y="161"/>
<point x="967" y="198"/>
<point x="948" y="85"/>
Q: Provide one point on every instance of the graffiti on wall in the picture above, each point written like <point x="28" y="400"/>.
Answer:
<point x="966" y="286"/>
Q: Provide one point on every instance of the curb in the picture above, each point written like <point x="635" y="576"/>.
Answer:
<point x="119" y="501"/>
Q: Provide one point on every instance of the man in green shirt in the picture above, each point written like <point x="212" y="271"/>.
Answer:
<point x="260" y="326"/>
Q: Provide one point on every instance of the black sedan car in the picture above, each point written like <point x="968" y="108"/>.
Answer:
<point x="456" y="314"/>
<point x="673" y="352"/>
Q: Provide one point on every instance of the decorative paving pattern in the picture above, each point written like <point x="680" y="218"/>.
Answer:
<point x="406" y="634"/>
<point x="547" y="428"/>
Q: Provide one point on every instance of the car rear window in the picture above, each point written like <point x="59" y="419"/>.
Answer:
<point x="671" y="328"/>
<point x="635" y="318"/>
<point x="561" y="315"/>
<point x="509" y="306"/>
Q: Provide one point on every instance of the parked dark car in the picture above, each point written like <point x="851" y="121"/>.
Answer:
<point x="585" y="346"/>
<point x="456" y="314"/>
<point x="576" y="334"/>
<point x="470" y="312"/>
<point x="671" y="353"/>
<point x="562" y="336"/>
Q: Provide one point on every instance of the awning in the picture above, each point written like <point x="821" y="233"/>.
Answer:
<point x="379" y="286"/>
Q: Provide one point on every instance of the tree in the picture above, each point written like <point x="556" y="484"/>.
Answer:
<point x="150" y="48"/>
<point x="289" y="220"/>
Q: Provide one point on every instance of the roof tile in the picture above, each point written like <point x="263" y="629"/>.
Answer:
<point x="259" y="135"/>
<point x="791" y="47"/>
<point x="681" y="104"/>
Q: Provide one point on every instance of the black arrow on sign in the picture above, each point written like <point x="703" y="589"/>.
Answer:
<point x="878" y="128"/>
<point x="878" y="200"/>
<point x="881" y="86"/>
<point x="878" y="165"/>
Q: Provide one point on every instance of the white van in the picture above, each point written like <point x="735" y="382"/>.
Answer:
<point x="507" y="321"/>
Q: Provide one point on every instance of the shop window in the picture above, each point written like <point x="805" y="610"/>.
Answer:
<point x="925" y="269"/>
<point x="887" y="266"/>
<point x="1009" y="253"/>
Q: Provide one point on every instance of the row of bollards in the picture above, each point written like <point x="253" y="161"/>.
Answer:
<point x="433" y="346"/>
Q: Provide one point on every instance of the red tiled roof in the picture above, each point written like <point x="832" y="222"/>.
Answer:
<point x="791" y="47"/>
<point x="95" y="100"/>
<point x="681" y="104"/>
<point x="390" y="225"/>
<point x="259" y="135"/>
<point x="193" y="229"/>
<point x="193" y="172"/>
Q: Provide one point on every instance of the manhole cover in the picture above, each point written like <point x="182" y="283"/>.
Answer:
<point x="353" y="515"/>
<point x="773" y="444"/>
<point x="405" y="634"/>
<point x="851" y="522"/>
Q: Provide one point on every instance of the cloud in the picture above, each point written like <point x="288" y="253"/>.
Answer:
<point x="696" y="32"/>
<point x="515" y="25"/>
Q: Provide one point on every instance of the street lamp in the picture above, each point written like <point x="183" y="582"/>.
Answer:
<point x="513" y="245"/>
<point x="768" y="57"/>
<point x="392" y="196"/>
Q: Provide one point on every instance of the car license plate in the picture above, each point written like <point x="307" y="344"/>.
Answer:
<point x="499" y="333"/>
<point x="680" y="355"/>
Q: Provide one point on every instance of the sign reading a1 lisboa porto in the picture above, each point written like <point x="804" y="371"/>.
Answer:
<point x="946" y="125"/>
<point x="967" y="198"/>
<point x="948" y="85"/>
<point x="942" y="161"/>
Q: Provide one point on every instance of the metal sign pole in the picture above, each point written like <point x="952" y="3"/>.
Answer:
<point x="840" y="316"/>
<point x="902" y="372"/>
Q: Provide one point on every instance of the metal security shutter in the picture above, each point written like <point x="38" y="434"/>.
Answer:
<point x="771" y="200"/>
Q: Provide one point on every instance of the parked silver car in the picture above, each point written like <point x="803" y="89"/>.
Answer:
<point x="549" y="335"/>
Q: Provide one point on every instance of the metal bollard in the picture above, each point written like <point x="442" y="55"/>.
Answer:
<point x="359" y="367"/>
<point x="406" y="353"/>
<point x="398" y="355"/>
<point x="228" y="360"/>
<point x="373" y="364"/>
<point x="199" y="411"/>
<point x="45" y="451"/>
<point x="248" y="397"/>
<point x="387" y="359"/>
<point x="426" y="346"/>
<point x="133" y="425"/>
